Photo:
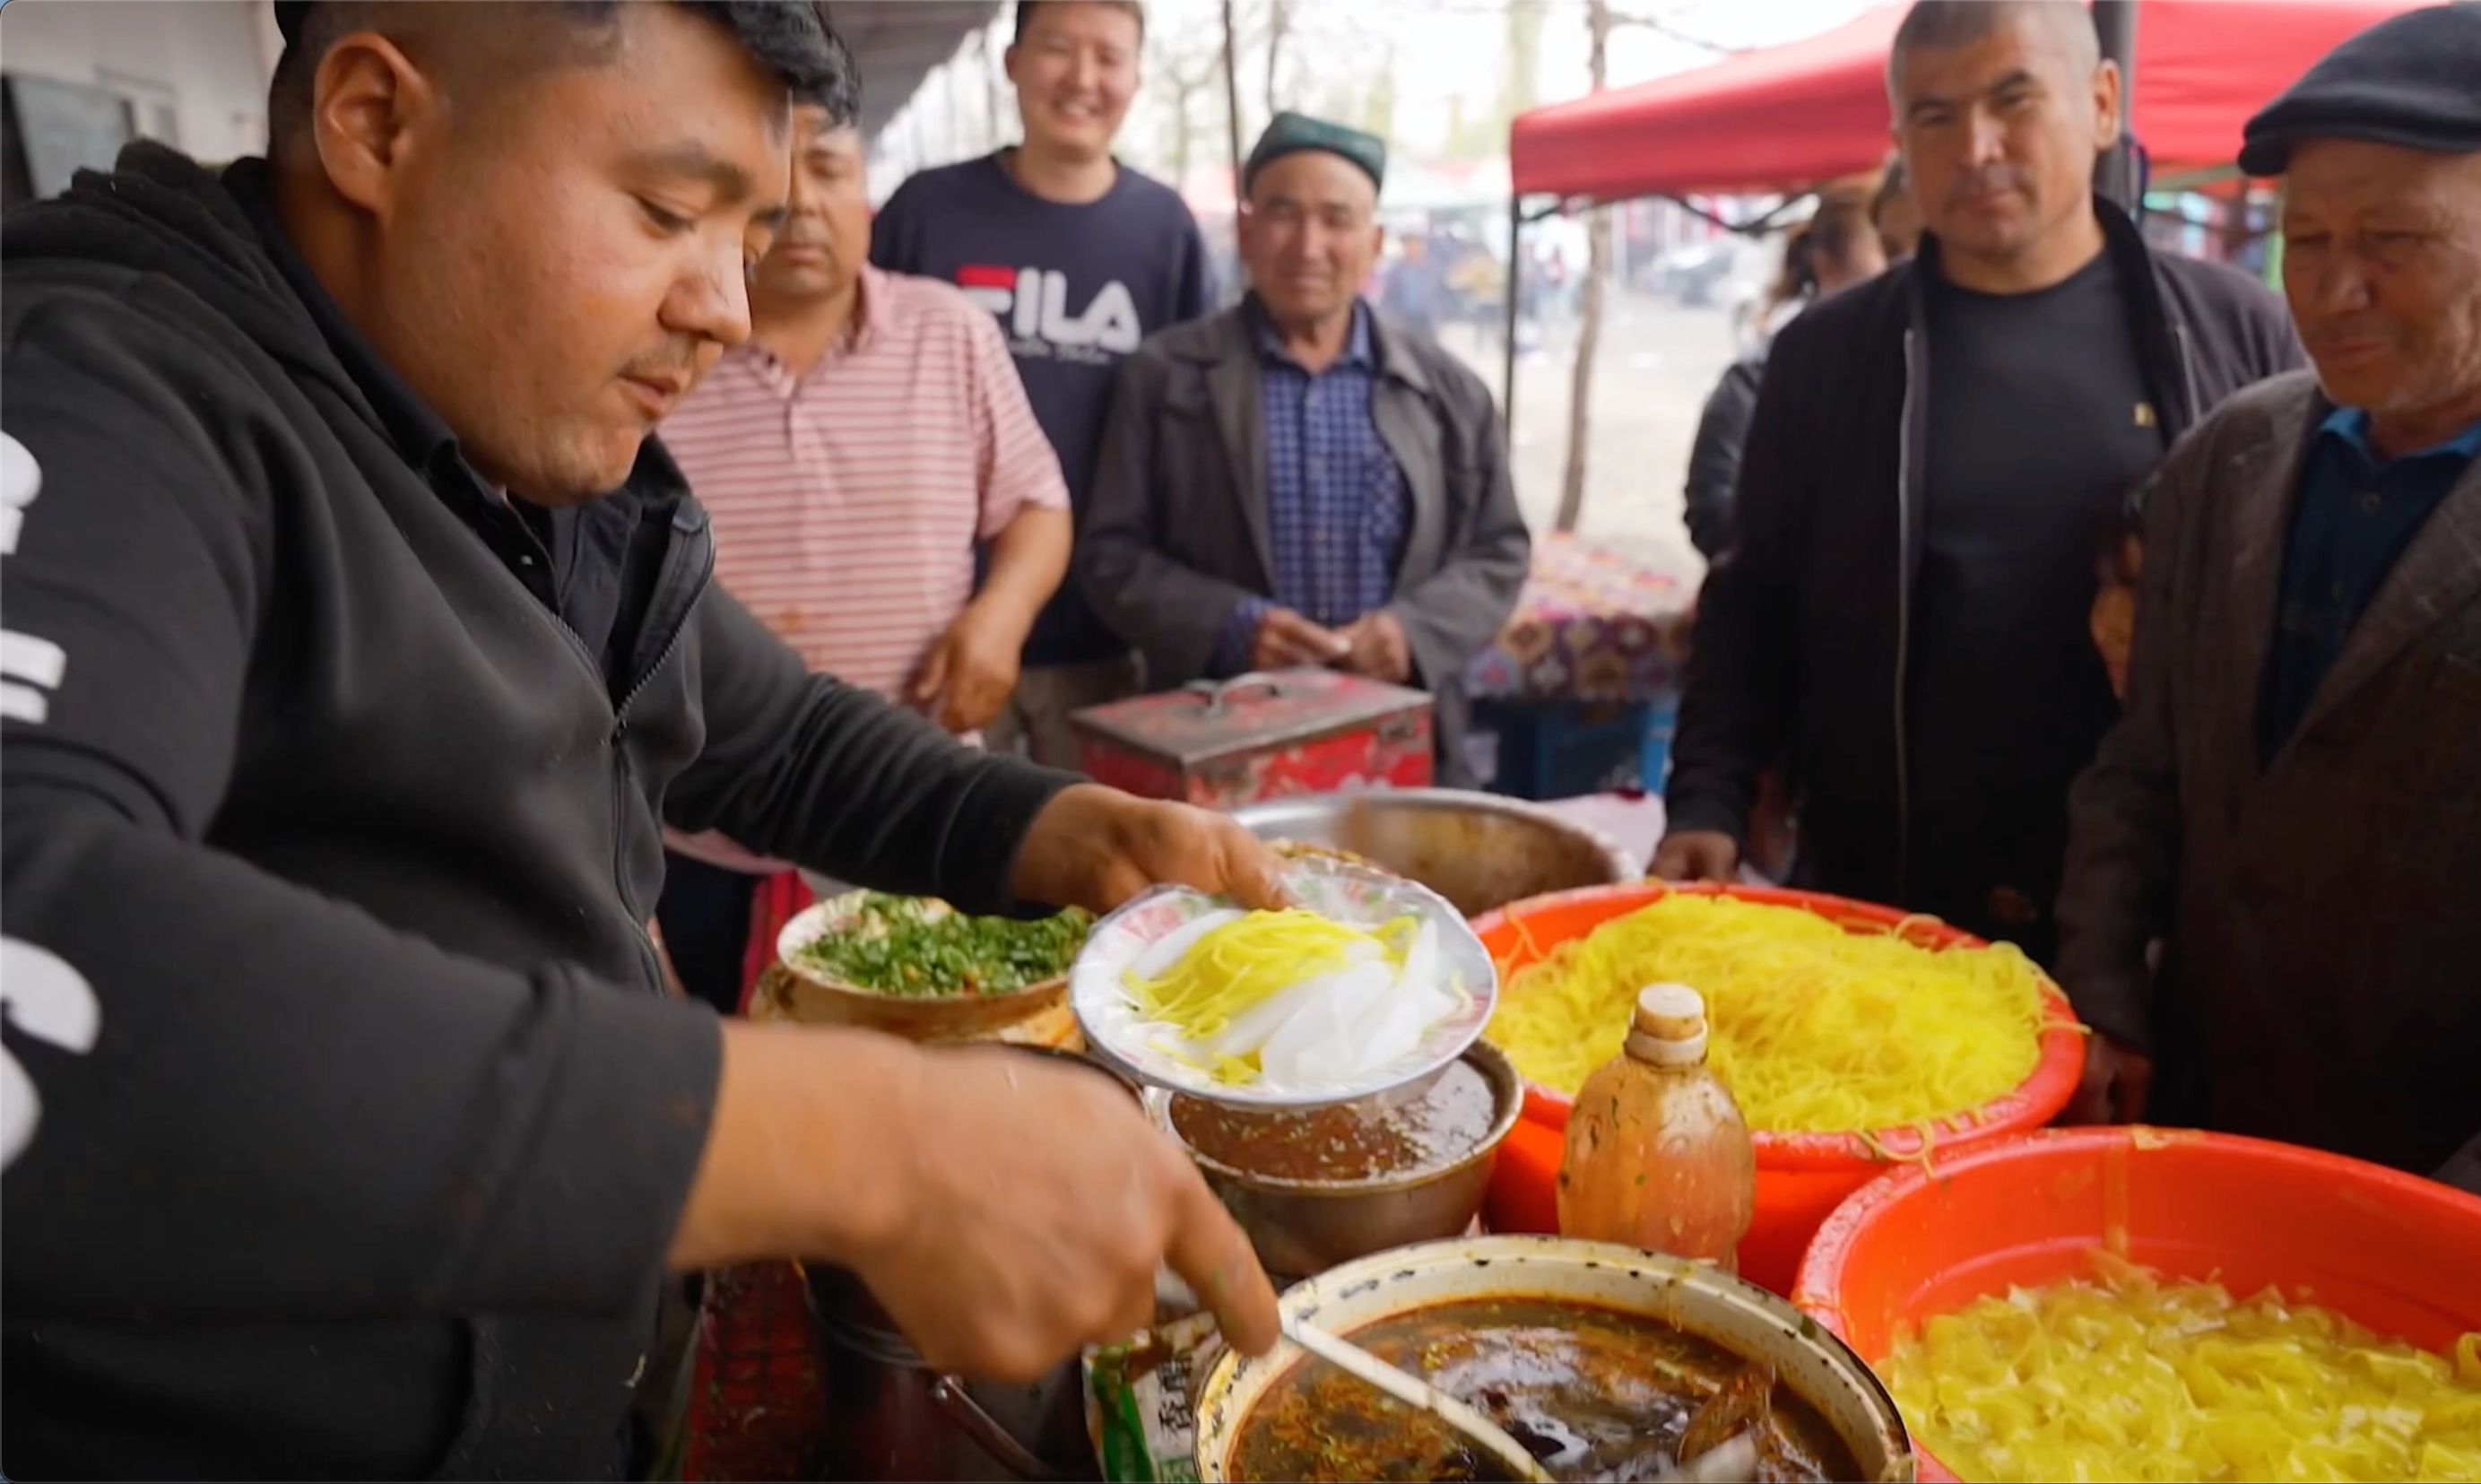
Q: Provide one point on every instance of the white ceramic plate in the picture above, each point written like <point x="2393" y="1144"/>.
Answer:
<point x="1346" y="892"/>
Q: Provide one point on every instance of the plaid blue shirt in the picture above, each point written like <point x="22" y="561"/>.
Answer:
<point x="1337" y="509"/>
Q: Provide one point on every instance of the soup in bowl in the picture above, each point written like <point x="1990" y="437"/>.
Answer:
<point x="1606" y="1363"/>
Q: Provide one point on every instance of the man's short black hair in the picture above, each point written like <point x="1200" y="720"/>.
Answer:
<point x="839" y="90"/>
<point x="1131" y="9"/>
<point x="791" y="38"/>
<point x="1942" y="25"/>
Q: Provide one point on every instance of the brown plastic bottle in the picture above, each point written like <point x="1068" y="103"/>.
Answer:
<point x="1657" y="1154"/>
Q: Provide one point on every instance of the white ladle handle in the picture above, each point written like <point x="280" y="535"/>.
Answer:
<point x="1414" y="1392"/>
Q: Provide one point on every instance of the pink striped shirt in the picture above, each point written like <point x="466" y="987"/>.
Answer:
<point x="846" y="501"/>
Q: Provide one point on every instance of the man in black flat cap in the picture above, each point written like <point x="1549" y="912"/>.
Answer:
<point x="1299" y="481"/>
<point x="2292" y="804"/>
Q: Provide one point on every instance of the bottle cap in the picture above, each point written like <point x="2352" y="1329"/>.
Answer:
<point x="1670" y="1026"/>
<point x="1670" y="1012"/>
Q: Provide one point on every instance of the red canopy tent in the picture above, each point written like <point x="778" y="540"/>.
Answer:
<point x="1791" y="115"/>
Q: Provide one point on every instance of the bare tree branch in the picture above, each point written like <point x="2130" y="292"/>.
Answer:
<point x="1665" y="28"/>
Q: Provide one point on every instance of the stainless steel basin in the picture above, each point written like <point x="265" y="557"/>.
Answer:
<point x="1478" y="850"/>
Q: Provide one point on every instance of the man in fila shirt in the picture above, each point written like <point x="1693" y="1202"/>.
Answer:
<point x="1079" y="259"/>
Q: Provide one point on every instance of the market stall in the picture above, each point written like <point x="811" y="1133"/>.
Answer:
<point x="1580" y="688"/>
<point x="1920" y="1254"/>
<point x="1781" y="119"/>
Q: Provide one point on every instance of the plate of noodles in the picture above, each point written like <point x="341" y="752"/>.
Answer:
<point x="1368" y="982"/>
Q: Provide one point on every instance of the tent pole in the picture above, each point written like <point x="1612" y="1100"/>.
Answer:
<point x="1508" y="316"/>
<point x="2115" y="172"/>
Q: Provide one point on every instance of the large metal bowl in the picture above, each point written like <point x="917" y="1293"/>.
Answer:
<point x="1714" y="1305"/>
<point x="1478" y="850"/>
<point x="1301" y="1228"/>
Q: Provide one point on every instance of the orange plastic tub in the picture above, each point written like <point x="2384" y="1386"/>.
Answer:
<point x="1801" y="1177"/>
<point x="2396" y="1253"/>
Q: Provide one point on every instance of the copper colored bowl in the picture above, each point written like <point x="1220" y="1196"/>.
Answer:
<point x="1301" y="1228"/>
<point x="1036" y="1015"/>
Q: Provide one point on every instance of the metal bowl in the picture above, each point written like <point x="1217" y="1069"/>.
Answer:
<point x="1478" y="850"/>
<point x="1304" y="1227"/>
<point x="1345" y="891"/>
<point x="1729" y="1312"/>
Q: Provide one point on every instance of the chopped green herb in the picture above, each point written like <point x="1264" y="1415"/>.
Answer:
<point x="917" y="948"/>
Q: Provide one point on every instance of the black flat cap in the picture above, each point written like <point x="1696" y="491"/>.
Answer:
<point x="2413" y="80"/>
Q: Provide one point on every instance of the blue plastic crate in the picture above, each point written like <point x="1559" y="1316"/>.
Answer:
<point x="1661" y="724"/>
<point x="1561" y="749"/>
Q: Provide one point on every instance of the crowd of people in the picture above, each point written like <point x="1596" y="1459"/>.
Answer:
<point x="987" y="455"/>
<point x="369" y="654"/>
<point x="2257" y="876"/>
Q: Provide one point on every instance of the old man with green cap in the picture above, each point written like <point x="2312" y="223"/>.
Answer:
<point x="1297" y="481"/>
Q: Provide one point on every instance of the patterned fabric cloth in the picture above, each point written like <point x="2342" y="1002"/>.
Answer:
<point x="1337" y="509"/>
<point x="1592" y="626"/>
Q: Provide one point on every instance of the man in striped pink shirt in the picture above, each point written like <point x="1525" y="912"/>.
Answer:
<point x="852" y="455"/>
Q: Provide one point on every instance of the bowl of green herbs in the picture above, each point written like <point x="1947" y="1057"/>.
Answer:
<point x="917" y="967"/>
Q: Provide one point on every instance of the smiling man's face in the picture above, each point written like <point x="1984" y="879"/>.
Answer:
<point x="1075" y="68"/>
<point x="2382" y="265"/>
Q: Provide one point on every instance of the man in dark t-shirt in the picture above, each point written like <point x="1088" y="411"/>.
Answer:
<point x="1937" y="460"/>
<point x="1080" y="258"/>
<point x="2041" y="421"/>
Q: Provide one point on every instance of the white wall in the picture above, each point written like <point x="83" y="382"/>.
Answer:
<point x="203" y="64"/>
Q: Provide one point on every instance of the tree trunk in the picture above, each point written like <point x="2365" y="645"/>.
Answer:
<point x="1581" y="381"/>
<point x="1279" y="22"/>
<point x="1232" y="95"/>
<point x="995" y="95"/>
<point x="1589" y="310"/>
<point x="1183" y="93"/>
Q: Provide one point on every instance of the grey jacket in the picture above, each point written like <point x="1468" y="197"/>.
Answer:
<point x="1176" y="530"/>
<point x="2322" y="913"/>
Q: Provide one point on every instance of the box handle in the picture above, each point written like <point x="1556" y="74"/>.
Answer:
<point x="1217" y="694"/>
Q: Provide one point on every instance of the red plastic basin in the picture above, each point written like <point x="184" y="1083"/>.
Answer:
<point x="2396" y="1253"/>
<point x="1801" y="1177"/>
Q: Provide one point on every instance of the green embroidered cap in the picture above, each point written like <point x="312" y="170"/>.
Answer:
<point x="1290" y="133"/>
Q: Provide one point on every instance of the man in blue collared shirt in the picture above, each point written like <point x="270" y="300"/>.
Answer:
<point x="1336" y="510"/>
<point x="2291" y="806"/>
<point x="2358" y="509"/>
<point x="1300" y="481"/>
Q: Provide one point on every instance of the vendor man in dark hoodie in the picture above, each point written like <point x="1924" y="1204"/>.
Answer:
<point x="359" y="642"/>
<point x="1938" y="460"/>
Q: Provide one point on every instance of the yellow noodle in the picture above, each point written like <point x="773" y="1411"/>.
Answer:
<point x="1252" y="958"/>
<point x="2137" y="1377"/>
<point x="1813" y="1028"/>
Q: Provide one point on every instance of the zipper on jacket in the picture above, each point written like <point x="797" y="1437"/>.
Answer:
<point x="1904" y="623"/>
<point x="685" y="578"/>
<point x="2187" y="358"/>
